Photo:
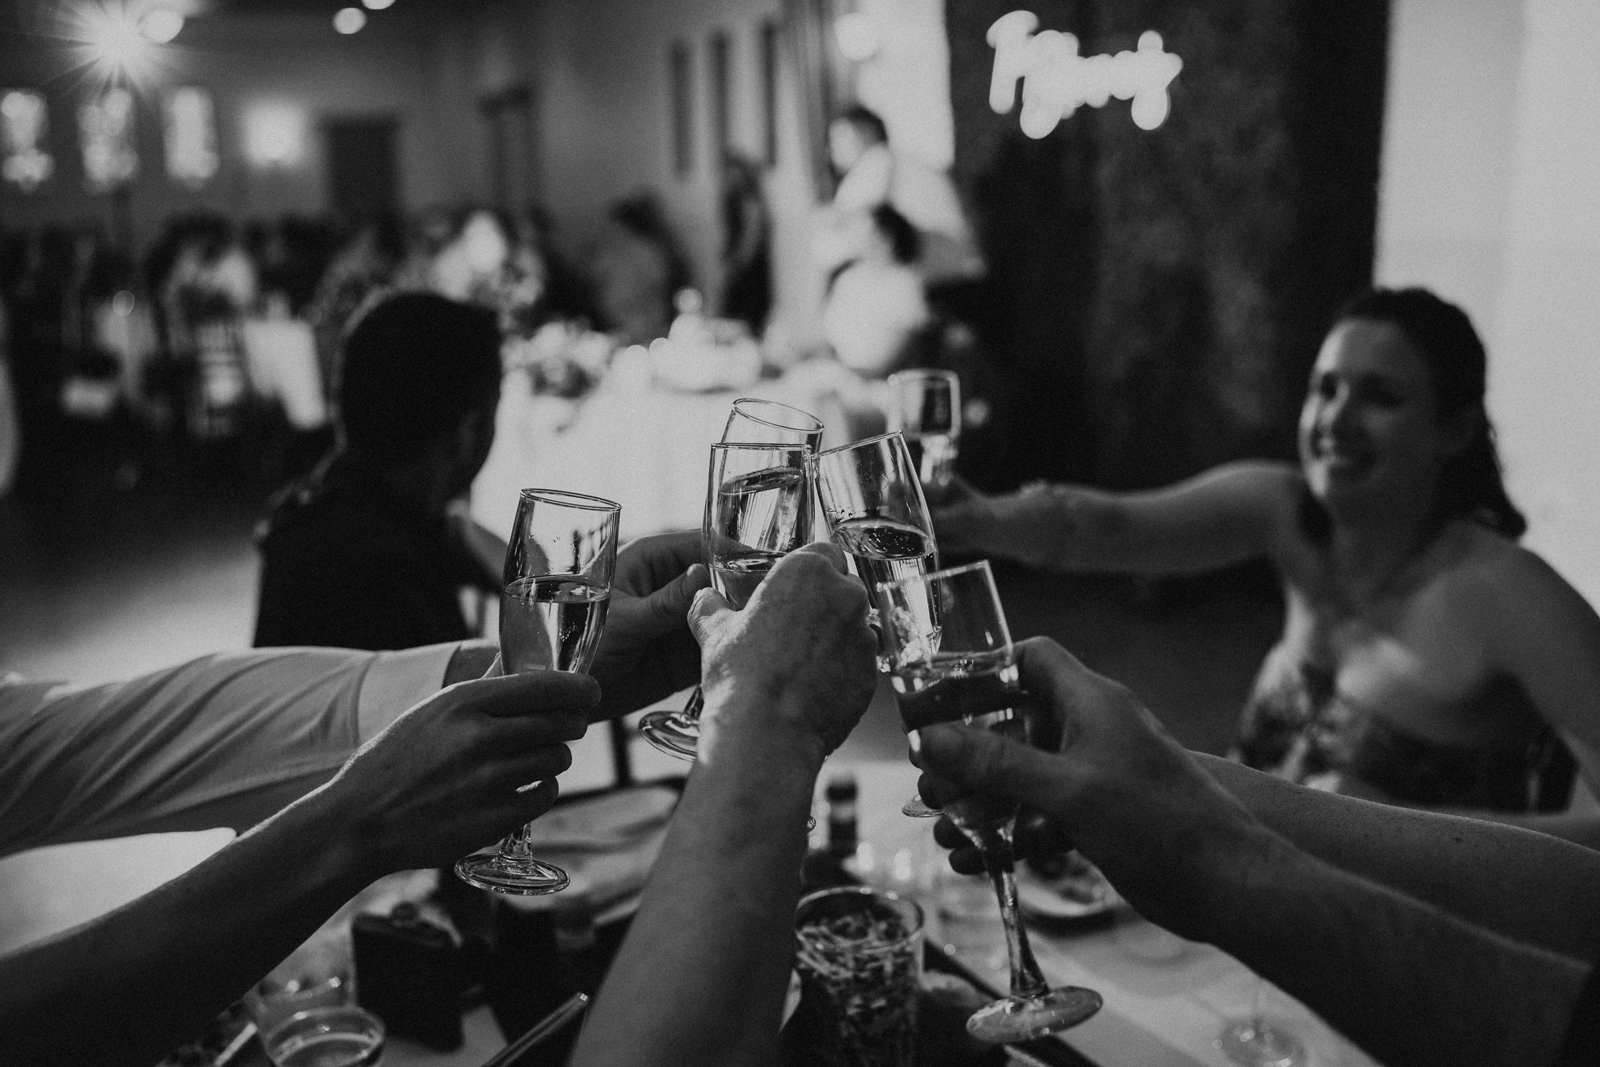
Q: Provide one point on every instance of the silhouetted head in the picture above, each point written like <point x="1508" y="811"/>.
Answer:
<point x="420" y="372"/>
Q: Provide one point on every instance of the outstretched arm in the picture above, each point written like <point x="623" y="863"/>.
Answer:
<point x="1484" y="872"/>
<point x="1226" y="515"/>
<point x="700" y="979"/>
<point x="437" y="784"/>
<point x="1406" y="981"/>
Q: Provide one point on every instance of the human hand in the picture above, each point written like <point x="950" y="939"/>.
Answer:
<point x="800" y="657"/>
<point x="443" y="779"/>
<point x="647" y="651"/>
<point x="963" y="518"/>
<point x="1126" y="794"/>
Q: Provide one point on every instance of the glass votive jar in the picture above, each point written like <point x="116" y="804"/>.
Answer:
<point x="859" y="954"/>
<point x="326" y="1037"/>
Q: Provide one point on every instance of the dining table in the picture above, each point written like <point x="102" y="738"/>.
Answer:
<point x="1166" y="999"/>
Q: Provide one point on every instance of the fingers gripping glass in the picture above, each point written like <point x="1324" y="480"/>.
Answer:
<point x="951" y="660"/>
<point x="559" y="566"/>
<point x="754" y="422"/>
<point x="925" y="406"/>
<point x="758" y="510"/>
<point x="872" y="501"/>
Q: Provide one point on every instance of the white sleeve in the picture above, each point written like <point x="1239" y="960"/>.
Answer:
<point x="219" y="741"/>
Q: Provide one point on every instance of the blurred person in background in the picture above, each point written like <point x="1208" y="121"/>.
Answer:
<point x="746" y="245"/>
<point x="471" y="264"/>
<point x="365" y="265"/>
<point x="637" y="270"/>
<point x="372" y="548"/>
<point x="1426" y="659"/>
<point x="876" y="305"/>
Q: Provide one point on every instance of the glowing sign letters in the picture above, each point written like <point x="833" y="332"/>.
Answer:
<point x="1056" y="79"/>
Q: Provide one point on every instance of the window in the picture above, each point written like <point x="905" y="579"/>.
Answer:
<point x="190" y="136"/>
<point x="105" y="135"/>
<point x="23" y="125"/>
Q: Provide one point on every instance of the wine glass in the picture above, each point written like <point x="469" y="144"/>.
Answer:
<point x="559" y="566"/>
<point x="872" y="502"/>
<point x="951" y="660"/>
<point x="758" y="510"/>
<point x="925" y="406"/>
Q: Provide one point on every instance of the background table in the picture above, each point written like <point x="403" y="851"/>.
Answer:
<point x="647" y="449"/>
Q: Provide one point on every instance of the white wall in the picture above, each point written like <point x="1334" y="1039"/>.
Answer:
<point x="1491" y="170"/>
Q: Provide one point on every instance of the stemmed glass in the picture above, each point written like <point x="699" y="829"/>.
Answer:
<point x="758" y="510"/>
<point x="951" y="660"/>
<point x="559" y="566"/>
<point x="1254" y="1042"/>
<point x="925" y="406"/>
<point x="872" y="502"/>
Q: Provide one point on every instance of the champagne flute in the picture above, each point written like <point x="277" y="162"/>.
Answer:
<point x="925" y="406"/>
<point x="559" y="566"/>
<point x="951" y="660"/>
<point x="758" y="510"/>
<point x="872" y="501"/>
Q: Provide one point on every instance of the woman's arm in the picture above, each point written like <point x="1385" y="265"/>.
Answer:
<point x="1227" y="515"/>
<point x="1540" y="631"/>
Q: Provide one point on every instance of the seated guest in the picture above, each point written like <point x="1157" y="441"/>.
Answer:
<point x="368" y="551"/>
<point x="227" y="740"/>
<point x="875" y="305"/>
<point x="1426" y="658"/>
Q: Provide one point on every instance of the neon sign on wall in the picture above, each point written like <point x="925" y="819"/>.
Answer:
<point x="1057" y="80"/>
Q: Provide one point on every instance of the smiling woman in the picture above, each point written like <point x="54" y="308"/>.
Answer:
<point x="1426" y="659"/>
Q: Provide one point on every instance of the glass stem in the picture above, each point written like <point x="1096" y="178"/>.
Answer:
<point x="994" y="842"/>
<point x="515" y="846"/>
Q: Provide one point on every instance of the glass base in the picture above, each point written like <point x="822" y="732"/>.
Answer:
<point x="1254" y="1043"/>
<point x="917" y="808"/>
<point x="518" y="878"/>
<point x="1025" y="1018"/>
<point x="673" y="732"/>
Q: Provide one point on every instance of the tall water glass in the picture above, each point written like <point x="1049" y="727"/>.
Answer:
<point x="559" y="566"/>
<point x="951" y="660"/>
<point x="925" y="406"/>
<point x="758" y="510"/>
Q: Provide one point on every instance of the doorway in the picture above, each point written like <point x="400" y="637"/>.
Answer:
<point x="363" y="179"/>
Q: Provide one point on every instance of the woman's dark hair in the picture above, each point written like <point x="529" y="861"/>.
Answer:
<point x="905" y="243"/>
<point x="1470" y="484"/>
<point x="867" y="122"/>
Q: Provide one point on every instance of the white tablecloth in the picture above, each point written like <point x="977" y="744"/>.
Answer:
<point x="647" y="450"/>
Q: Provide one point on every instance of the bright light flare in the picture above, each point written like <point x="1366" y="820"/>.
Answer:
<point x="110" y="38"/>
<point x="348" y="20"/>
<point x="160" y="25"/>
<point x="377" y="5"/>
<point x="275" y="135"/>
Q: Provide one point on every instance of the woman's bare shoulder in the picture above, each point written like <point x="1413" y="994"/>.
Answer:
<point x="1511" y="583"/>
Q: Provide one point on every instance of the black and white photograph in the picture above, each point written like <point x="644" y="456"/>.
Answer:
<point x="773" y="533"/>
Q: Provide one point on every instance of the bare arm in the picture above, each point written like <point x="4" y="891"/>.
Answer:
<point x="1484" y="872"/>
<point x="1407" y="982"/>
<point x="700" y="979"/>
<point x="1226" y="515"/>
<point x="1542" y="633"/>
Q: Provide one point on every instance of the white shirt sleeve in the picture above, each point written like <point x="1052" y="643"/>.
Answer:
<point x="219" y="741"/>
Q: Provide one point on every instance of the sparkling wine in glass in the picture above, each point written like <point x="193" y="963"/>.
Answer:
<point x="758" y="510"/>
<point x="925" y="406"/>
<point x="872" y="501"/>
<point x="1254" y="1042"/>
<point x="558" y="571"/>
<point x="951" y="660"/>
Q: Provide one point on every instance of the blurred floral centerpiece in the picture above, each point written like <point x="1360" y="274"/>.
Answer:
<point x="563" y="358"/>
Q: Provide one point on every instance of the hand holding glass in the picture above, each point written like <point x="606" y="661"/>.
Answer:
<point x="758" y="510"/>
<point x="951" y="660"/>
<point x="751" y="421"/>
<point x="559" y="566"/>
